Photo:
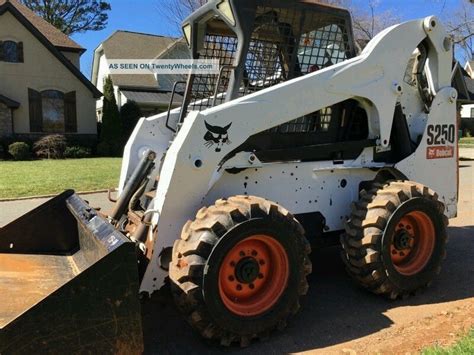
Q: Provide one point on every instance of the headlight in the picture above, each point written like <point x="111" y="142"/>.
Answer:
<point x="226" y="10"/>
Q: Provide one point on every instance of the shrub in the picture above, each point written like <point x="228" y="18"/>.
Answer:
<point x="19" y="151"/>
<point x="50" y="147"/>
<point x="103" y="149"/>
<point x="109" y="149"/>
<point x="76" y="152"/>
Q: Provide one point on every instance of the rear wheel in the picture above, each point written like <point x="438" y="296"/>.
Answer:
<point x="239" y="269"/>
<point x="395" y="240"/>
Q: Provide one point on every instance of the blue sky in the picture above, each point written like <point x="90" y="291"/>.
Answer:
<point x="145" y="16"/>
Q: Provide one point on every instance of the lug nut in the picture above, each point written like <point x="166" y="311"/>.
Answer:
<point x="260" y="276"/>
<point x="239" y="287"/>
<point x="231" y="278"/>
<point x="232" y="264"/>
<point x="251" y="286"/>
<point x="242" y="253"/>
<point x="261" y="262"/>
<point x="254" y="253"/>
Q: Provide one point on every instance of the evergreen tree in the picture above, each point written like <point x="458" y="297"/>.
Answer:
<point x="111" y="129"/>
<point x="130" y="113"/>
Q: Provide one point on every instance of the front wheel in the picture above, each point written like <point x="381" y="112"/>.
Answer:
<point x="239" y="269"/>
<point x="395" y="240"/>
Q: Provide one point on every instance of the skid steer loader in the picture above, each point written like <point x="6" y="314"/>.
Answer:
<point x="299" y="140"/>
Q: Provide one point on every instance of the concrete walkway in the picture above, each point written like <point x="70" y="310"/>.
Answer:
<point x="466" y="153"/>
<point x="11" y="210"/>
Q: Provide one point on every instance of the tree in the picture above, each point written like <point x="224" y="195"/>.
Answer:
<point x="461" y="27"/>
<point x="111" y="129"/>
<point x="130" y="113"/>
<point x="178" y="10"/>
<point x="367" y="21"/>
<point x="72" y="16"/>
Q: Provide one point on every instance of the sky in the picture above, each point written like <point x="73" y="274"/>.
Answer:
<point x="145" y="16"/>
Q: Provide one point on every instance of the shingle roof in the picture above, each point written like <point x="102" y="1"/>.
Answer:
<point x="470" y="87"/>
<point x="471" y="65"/>
<point x="463" y="84"/>
<point x="134" y="45"/>
<point x="55" y="36"/>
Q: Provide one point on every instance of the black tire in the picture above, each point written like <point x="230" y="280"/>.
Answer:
<point x="199" y="254"/>
<point x="371" y="244"/>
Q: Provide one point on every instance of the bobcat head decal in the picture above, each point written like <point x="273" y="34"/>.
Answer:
<point x="216" y="136"/>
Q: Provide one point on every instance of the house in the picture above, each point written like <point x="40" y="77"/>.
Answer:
<point x="469" y="68"/>
<point x="42" y="89"/>
<point x="152" y="92"/>
<point x="467" y="112"/>
<point x="464" y="84"/>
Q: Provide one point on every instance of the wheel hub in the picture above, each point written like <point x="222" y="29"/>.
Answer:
<point x="247" y="270"/>
<point x="253" y="275"/>
<point x="413" y="243"/>
<point x="402" y="240"/>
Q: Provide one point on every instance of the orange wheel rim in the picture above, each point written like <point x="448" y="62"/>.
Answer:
<point x="412" y="243"/>
<point x="253" y="275"/>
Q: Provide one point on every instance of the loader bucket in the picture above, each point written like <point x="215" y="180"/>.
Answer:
<point x="68" y="283"/>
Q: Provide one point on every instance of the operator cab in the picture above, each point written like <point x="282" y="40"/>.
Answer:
<point x="261" y="43"/>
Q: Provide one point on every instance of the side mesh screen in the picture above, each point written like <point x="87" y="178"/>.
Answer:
<point x="204" y="85"/>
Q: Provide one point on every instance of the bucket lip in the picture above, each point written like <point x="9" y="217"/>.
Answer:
<point x="10" y="199"/>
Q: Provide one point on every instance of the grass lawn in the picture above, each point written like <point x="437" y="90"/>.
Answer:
<point x="465" y="346"/>
<point x="466" y="142"/>
<point x="44" y="177"/>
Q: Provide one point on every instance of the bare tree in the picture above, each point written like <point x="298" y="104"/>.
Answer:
<point x="367" y="20"/>
<point x="461" y="27"/>
<point x="178" y="10"/>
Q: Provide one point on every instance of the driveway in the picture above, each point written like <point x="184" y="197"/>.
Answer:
<point x="337" y="316"/>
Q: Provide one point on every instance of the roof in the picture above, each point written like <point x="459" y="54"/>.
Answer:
<point x="9" y="102"/>
<point x="471" y="65"/>
<point x="470" y="88"/>
<point x="154" y="98"/>
<point x="14" y="8"/>
<point x="135" y="45"/>
<point x="55" y="36"/>
<point x="463" y="84"/>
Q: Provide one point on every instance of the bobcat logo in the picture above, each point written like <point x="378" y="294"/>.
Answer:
<point x="216" y="136"/>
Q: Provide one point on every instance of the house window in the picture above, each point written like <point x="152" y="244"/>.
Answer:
<point x="52" y="102"/>
<point x="11" y="52"/>
<point x="52" y="111"/>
